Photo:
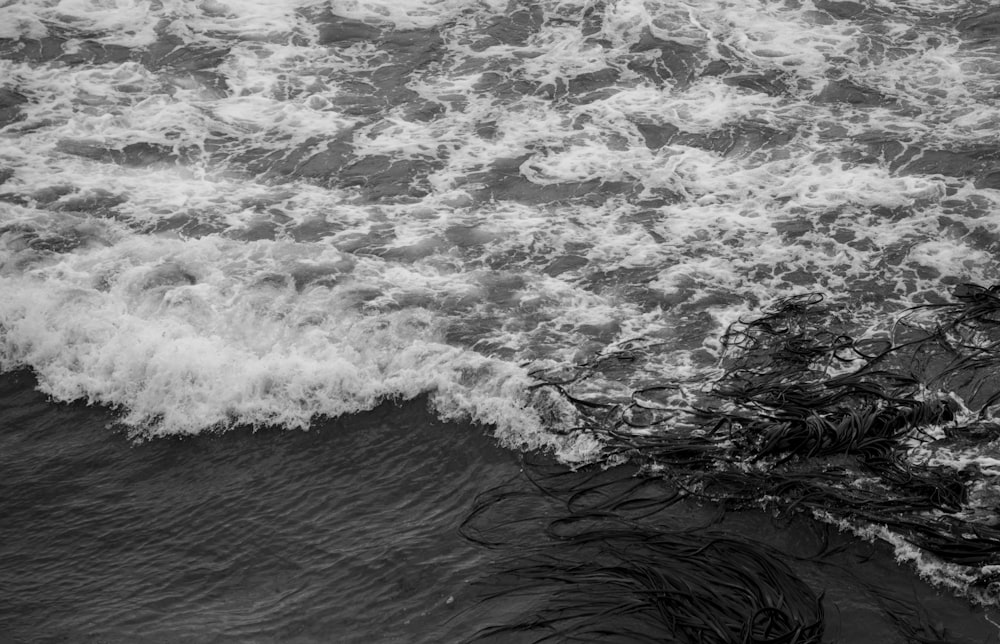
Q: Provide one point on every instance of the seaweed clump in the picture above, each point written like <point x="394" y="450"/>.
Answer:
<point x="805" y="419"/>
<point x="610" y="571"/>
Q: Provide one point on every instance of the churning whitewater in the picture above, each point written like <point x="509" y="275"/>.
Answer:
<point x="747" y="247"/>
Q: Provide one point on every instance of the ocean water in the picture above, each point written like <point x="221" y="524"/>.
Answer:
<point x="433" y="320"/>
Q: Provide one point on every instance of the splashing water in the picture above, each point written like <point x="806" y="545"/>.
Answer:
<point x="745" y="246"/>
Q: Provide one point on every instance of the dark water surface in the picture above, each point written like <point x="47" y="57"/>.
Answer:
<point x="345" y="533"/>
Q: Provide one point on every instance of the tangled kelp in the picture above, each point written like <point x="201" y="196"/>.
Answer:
<point x="796" y="392"/>
<point x="611" y="571"/>
<point x="802" y="418"/>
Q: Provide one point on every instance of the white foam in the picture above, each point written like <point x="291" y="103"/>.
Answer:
<point x="405" y="14"/>
<point x="17" y="20"/>
<point x="958" y="578"/>
<point x="801" y="198"/>
<point x="183" y="357"/>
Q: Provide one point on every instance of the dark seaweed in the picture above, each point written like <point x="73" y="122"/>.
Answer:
<point x="805" y="419"/>
<point x="606" y="573"/>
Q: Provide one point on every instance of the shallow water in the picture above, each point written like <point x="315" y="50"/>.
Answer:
<point x="558" y="227"/>
<point x="344" y="533"/>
